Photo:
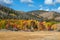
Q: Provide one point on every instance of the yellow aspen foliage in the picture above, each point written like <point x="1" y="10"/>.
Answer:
<point x="12" y="14"/>
<point x="54" y="27"/>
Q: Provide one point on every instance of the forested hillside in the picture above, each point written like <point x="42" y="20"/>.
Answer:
<point x="8" y="13"/>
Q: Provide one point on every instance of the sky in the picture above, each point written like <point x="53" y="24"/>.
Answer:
<point x="30" y="5"/>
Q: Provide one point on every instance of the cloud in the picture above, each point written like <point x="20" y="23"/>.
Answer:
<point x="30" y="5"/>
<point x="26" y="1"/>
<point x="41" y="8"/>
<point x="56" y="9"/>
<point x="6" y="1"/>
<point x="48" y="2"/>
<point x="44" y="8"/>
<point x="57" y="1"/>
<point x="47" y="9"/>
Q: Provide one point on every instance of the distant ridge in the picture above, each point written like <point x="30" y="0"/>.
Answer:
<point x="8" y="13"/>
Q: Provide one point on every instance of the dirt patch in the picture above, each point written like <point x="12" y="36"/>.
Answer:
<point x="9" y="35"/>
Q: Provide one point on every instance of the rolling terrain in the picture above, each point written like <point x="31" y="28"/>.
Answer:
<point x="8" y="13"/>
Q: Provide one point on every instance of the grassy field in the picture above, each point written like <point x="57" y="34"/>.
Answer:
<point x="42" y="35"/>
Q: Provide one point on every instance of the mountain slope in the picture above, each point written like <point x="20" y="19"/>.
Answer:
<point x="8" y="13"/>
<point x="48" y="15"/>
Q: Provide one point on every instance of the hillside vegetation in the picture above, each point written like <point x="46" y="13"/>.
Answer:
<point x="8" y="13"/>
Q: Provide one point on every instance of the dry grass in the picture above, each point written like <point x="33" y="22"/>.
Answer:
<point x="9" y="35"/>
